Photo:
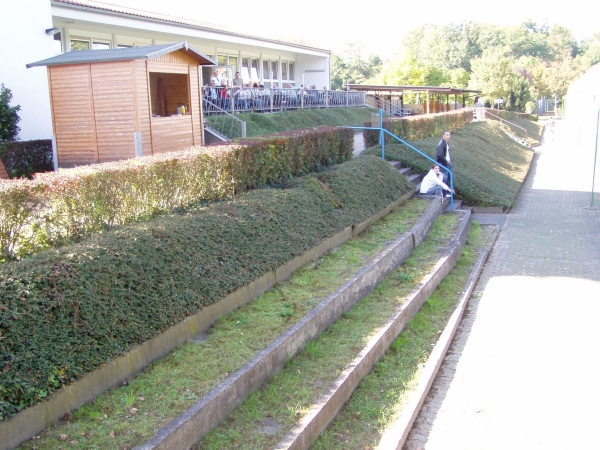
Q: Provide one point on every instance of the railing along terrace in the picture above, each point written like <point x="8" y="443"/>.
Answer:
<point x="222" y="121"/>
<point x="245" y="99"/>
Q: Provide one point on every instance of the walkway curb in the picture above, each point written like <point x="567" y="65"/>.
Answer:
<point x="190" y="426"/>
<point x="395" y="435"/>
<point x="327" y="407"/>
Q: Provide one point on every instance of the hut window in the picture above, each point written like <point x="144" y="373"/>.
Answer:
<point x="168" y="91"/>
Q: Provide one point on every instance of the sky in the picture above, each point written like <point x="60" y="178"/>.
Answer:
<point x="330" y="25"/>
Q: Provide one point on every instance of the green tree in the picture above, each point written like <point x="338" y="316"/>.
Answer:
<point x="9" y="117"/>
<point x="407" y="71"/>
<point x="351" y="67"/>
<point x="494" y="73"/>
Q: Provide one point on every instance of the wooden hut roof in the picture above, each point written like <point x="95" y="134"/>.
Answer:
<point x="124" y="54"/>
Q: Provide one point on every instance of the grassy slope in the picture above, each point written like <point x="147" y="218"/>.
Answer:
<point x="488" y="165"/>
<point x="259" y="124"/>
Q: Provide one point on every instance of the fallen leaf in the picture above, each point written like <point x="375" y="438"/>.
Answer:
<point x="132" y="410"/>
<point x="112" y="434"/>
<point x="235" y="443"/>
<point x="63" y="437"/>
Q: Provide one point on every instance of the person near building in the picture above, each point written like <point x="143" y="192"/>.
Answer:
<point x="237" y="81"/>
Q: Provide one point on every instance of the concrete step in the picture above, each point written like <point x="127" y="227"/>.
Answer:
<point x="396" y="164"/>
<point x="404" y="171"/>
<point x="415" y="178"/>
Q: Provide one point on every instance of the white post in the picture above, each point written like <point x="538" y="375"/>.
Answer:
<point x="137" y="139"/>
<point x="54" y="154"/>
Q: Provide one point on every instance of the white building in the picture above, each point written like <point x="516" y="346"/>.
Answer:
<point x="33" y="30"/>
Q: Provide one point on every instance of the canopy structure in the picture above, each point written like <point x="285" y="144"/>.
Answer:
<point x="386" y="92"/>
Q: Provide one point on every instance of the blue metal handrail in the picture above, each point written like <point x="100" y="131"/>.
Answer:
<point x="382" y="132"/>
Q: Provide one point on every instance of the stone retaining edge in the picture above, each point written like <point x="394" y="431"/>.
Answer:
<point x="395" y="436"/>
<point x="190" y="426"/>
<point x="36" y="418"/>
<point x="328" y="406"/>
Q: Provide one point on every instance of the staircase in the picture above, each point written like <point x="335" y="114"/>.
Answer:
<point x="214" y="407"/>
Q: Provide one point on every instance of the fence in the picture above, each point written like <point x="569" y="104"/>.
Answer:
<point x="245" y="99"/>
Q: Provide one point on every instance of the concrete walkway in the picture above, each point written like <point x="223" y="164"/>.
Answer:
<point x="524" y="368"/>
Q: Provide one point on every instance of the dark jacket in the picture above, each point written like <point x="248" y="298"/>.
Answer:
<point x="442" y="153"/>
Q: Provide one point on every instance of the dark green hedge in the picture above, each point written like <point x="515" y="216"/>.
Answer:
<point x="65" y="312"/>
<point x="419" y="127"/>
<point x="24" y="158"/>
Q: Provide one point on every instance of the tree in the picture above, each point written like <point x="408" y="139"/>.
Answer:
<point x="352" y="67"/>
<point x="9" y="117"/>
<point x="494" y="73"/>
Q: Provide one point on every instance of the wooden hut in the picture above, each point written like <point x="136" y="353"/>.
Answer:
<point x="116" y="104"/>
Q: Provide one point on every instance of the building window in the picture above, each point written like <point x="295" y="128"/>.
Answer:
<point x="233" y="61"/>
<point x="77" y="44"/>
<point x="87" y="44"/>
<point x="254" y="72"/>
<point x="284" y="72"/>
<point x="292" y="67"/>
<point x="221" y="60"/>
<point x="274" y="71"/>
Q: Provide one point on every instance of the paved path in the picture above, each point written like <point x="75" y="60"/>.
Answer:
<point x="524" y="369"/>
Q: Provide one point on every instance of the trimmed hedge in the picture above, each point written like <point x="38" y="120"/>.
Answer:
<point x="65" y="312"/>
<point x="25" y="158"/>
<point x="65" y="206"/>
<point x="419" y="127"/>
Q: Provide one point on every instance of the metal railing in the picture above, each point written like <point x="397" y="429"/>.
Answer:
<point x="393" y="108"/>
<point x="222" y="121"/>
<point x="489" y="113"/>
<point x="246" y="99"/>
<point x="383" y="131"/>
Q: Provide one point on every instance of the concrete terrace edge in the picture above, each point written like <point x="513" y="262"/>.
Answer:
<point x="327" y="407"/>
<point x="396" y="434"/>
<point x="36" y="418"/>
<point x="190" y="426"/>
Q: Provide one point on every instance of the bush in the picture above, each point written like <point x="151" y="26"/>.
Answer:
<point x="25" y="158"/>
<point x="78" y="202"/>
<point x="9" y="117"/>
<point x="419" y="127"/>
<point x="65" y="312"/>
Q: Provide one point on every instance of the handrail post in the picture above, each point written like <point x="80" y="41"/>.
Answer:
<point x="381" y="139"/>
<point x="595" y="154"/>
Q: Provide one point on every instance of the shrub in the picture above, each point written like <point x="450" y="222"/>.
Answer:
<point x="419" y="127"/>
<point x="25" y="158"/>
<point x="9" y="116"/>
<point x="78" y="202"/>
<point x="67" y="311"/>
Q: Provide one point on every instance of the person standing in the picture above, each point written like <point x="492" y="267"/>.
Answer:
<point x="442" y="154"/>
<point x="237" y="81"/>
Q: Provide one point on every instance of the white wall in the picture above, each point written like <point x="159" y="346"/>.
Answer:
<point x="315" y="71"/>
<point x="23" y="41"/>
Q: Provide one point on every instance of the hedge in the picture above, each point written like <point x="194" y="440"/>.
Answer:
<point x="64" y="312"/>
<point x="419" y="127"/>
<point x="25" y="158"/>
<point x="65" y="206"/>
